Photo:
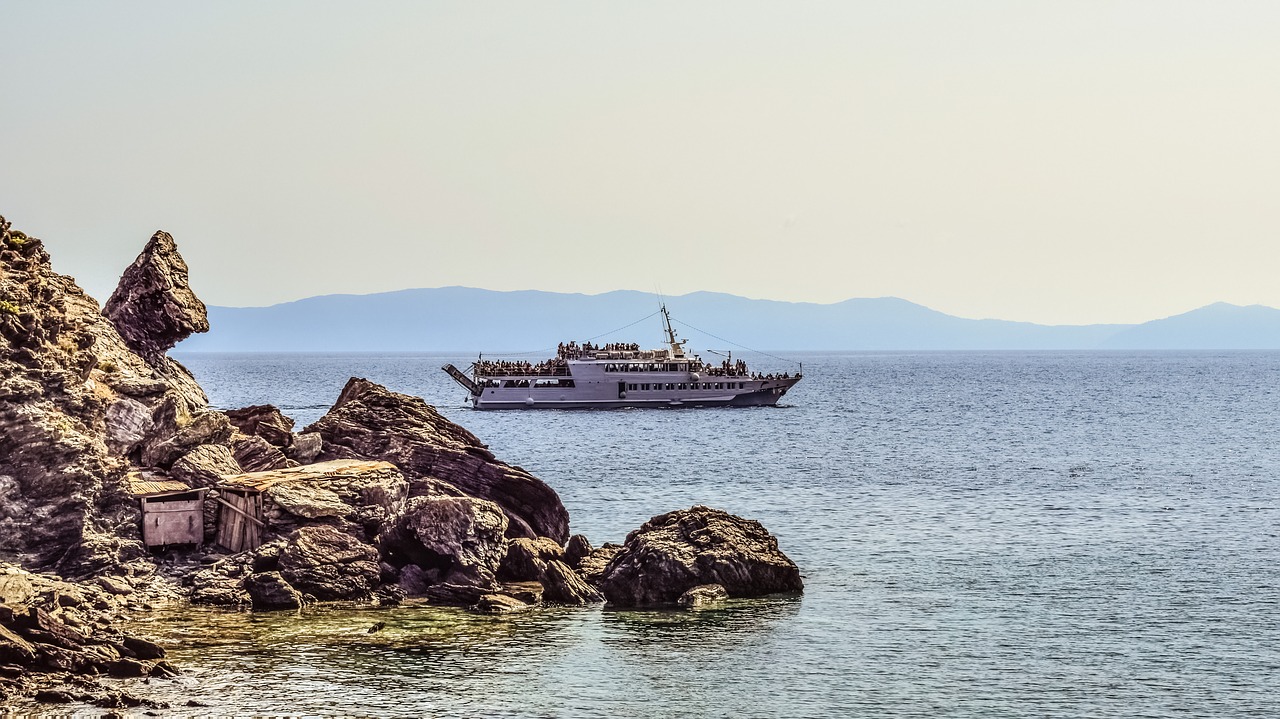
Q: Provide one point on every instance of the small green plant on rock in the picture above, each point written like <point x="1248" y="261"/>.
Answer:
<point x="9" y="308"/>
<point x="18" y="238"/>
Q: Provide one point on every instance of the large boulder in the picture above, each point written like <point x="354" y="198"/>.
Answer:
<point x="371" y="422"/>
<point x="460" y="540"/>
<point x="675" y="552"/>
<point x="205" y="466"/>
<point x="328" y="564"/>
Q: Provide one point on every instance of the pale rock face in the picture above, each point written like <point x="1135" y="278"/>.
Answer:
<point x="307" y="501"/>
<point x="128" y="424"/>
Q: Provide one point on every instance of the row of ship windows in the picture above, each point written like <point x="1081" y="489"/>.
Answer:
<point x="647" y="367"/>
<point x="684" y="385"/>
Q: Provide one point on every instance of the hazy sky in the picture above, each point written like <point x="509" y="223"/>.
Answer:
<point x="1062" y="162"/>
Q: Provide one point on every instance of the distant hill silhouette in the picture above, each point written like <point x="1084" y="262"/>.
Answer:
<point x="1219" y="326"/>
<point x="474" y="320"/>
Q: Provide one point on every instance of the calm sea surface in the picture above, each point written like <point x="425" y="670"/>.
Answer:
<point x="1003" y="534"/>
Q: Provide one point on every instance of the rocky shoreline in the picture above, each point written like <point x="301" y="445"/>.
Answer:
<point x="380" y="500"/>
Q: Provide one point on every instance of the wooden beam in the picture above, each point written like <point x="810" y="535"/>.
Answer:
<point x="241" y="512"/>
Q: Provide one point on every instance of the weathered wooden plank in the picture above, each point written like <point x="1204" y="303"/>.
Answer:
<point x="242" y="512"/>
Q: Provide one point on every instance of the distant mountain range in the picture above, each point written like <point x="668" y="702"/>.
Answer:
<point x="473" y="320"/>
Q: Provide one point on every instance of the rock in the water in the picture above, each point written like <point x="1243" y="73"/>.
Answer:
<point x="154" y="308"/>
<point x="541" y="560"/>
<point x="263" y="421"/>
<point x="564" y="586"/>
<point x="269" y="590"/>
<point x="702" y="595"/>
<point x="674" y="552"/>
<point x="459" y="537"/>
<point x="327" y="564"/>
<point x="498" y="604"/>
<point x="577" y="549"/>
<point x="527" y="559"/>
<point x="371" y="422"/>
<point x="457" y="595"/>
<point x="592" y="566"/>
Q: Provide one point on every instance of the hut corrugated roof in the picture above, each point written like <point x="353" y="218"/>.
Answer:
<point x="143" y="484"/>
<point x="259" y="481"/>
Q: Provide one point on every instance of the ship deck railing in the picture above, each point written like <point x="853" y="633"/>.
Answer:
<point x="491" y="371"/>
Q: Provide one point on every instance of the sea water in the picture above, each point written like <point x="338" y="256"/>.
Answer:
<point x="981" y="534"/>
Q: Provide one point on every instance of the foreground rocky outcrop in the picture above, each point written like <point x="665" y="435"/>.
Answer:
<point x="57" y="637"/>
<point x="371" y="422"/>
<point x="678" y="551"/>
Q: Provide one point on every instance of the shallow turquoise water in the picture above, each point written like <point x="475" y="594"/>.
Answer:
<point x="1000" y="534"/>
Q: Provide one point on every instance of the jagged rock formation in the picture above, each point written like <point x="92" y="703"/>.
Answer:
<point x="153" y="307"/>
<point x="675" y="552"/>
<point x="371" y="422"/>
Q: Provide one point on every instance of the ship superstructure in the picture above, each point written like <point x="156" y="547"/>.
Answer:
<point x="620" y="375"/>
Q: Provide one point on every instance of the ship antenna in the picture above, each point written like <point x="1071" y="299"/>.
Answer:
<point x="677" y="346"/>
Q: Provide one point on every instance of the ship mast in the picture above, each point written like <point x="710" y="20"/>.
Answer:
<point x="677" y="346"/>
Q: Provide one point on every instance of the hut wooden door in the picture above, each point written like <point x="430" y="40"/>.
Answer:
<point x="240" y="521"/>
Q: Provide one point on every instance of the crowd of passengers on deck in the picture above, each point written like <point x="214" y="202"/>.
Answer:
<point x="573" y="350"/>
<point x="560" y="367"/>
<point x="521" y="368"/>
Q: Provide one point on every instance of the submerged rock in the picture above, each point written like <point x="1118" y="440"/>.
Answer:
<point x="702" y="595"/>
<point x="371" y="422"/>
<point x="269" y="590"/>
<point x="675" y="552"/>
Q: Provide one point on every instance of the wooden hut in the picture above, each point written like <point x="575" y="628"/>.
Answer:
<point x="172" y="512"/>
<point x="278" y="500"/>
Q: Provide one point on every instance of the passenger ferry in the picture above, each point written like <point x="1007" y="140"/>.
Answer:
<point x="620" y="375"/>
